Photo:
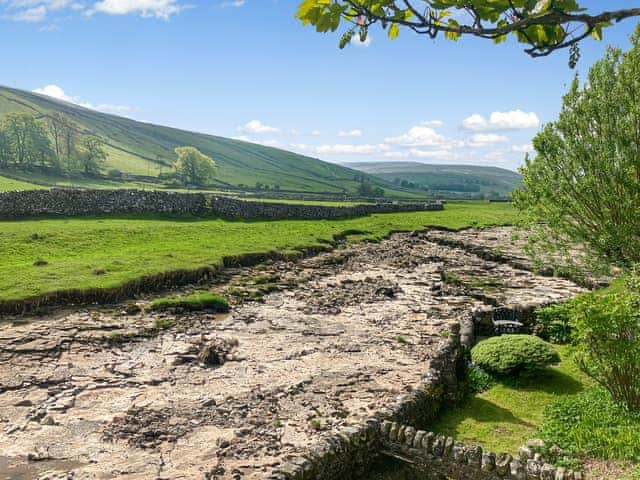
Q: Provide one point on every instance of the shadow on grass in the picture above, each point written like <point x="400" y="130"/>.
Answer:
<point x="485" y="411"/>
<point x="550" y="381"/>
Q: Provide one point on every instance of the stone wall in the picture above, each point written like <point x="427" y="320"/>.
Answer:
<point x="437" y="457"/>
<point x="77" y="202"/>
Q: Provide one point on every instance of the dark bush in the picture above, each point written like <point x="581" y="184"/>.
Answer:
<point x="478" y="380"/>
<point x="514" y="355"/>
<point x="553" y="323"/>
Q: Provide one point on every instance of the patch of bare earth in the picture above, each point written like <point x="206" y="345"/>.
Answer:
<point x="325" y="342"/>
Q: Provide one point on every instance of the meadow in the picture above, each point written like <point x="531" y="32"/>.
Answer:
<point x="43" y="256"/>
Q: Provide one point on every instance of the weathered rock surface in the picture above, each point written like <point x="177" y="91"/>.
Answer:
<point x="120" y="393"/>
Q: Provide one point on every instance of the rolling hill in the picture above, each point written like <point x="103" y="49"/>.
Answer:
<point x="448" y="181"/>
<point x="144" y="150"/>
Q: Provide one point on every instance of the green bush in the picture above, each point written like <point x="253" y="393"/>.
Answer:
<point x="514" y="355"/>
<point x="553" y="323"/>
<point x="197" y="301"/>
<point x="478" y="380"/>
<point x="590" y="424"/>
<point x="608" y="334"/>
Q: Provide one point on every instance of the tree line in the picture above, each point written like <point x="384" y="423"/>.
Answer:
<point x="54" y="143"/>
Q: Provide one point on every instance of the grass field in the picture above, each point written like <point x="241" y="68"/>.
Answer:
<point x="9" y="184"/>
<point x="504" y="417"/>
<point x="125" y="249"/>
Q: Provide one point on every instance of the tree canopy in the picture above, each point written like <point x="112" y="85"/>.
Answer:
<point x="544" y="25"/>
<point x="194" y="167"/>
<point x="583" y="184"/>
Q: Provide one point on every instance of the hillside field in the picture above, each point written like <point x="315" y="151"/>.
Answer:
<point x="144" y="150"/>
<point x="129" y="248"/>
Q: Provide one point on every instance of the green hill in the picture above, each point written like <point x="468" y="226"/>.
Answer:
<point x="144" y="150"/>
<point x="448" y="181"/>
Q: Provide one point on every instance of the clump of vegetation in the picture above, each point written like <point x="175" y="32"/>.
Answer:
<point x="478" y="380"/>
<point x="592" y="424"/>
<point x="513" y="355"/>
<point x="608" y="334"/>
<point x="582" y="185"/>
<point x="164" y="323"/>
<point x="264" y="279"/>
<point x="195" y="302"/>
<point x="193" y="167"/>
<point x="40" y="263"/>
<point x="553" y="323"/>
<point x="55" y="144"/>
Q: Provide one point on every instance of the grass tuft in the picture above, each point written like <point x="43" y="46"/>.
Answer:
<point x="195" y="302"/>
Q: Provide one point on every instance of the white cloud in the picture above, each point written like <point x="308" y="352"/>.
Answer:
<point x="511" y="120"/>
<point x="343" y="149"/>
<point x="418" y="136"/>
<point x="355" y="40"/>
<point x="162" y="9"/>
<point x="526" y="148"/>
<point x="256" y="126"/>
<point x="54" y="91"/>
<point x="30" y="15"/>
<point x="350" y="133"/>
<point x="432" y="123"/>
<point x="418" y="153"/>
<point x="233" y="3"/>
<point x="482" y="139"/>
<point x="316" y="133"/>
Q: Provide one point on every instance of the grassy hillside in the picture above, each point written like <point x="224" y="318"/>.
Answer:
<point x="144" y="149"/>
<point x="446" y="180"/>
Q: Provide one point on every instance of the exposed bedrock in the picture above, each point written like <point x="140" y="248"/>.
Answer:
<point x="312" y="354"/>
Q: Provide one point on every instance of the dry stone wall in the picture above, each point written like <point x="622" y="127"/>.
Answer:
<point x="78" y="202"/>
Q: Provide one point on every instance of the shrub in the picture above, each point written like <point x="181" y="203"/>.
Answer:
<point x="591" y="424"/>
<point x="608" y="332"/>
<point x="478" y="380"/>
<point x="514" y="354"/>
<point x="197" y="301"/>
<point x="552" y="323"/>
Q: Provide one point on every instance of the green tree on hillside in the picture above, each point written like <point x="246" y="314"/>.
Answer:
<point x="5" y="152"/>
<point x="27" y="140"/>
<point x="193" y="167"/>
<point x="92" y="156"/>
<point x="544" y="25"/>
<point x="583" y="184"/>
<point x="63" y="137"/>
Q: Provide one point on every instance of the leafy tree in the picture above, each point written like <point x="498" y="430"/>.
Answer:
<point x="365" y="189"/>
<point x="64" y="139"/>
<point x="193" y="167"/>
<point x="544" y="25"/>
<point x="5" y="150"/>
<point x="583" y="184"/>
<point x="27" y="141"/>
<point x="93" y="155"/>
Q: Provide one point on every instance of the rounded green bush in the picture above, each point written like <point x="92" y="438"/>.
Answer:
<point x="514" y="354"/>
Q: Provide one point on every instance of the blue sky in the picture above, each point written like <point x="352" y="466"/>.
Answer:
<point x="248" y="69"/>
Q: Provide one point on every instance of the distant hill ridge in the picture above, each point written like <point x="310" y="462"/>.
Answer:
<point x="448" y="181"/>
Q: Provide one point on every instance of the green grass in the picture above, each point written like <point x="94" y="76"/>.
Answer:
<point x="504" y="417"/>
<point x="133" y="247"/>
<point x="193" y="302"/>
<point x="592" y="425"/>
<point x="9" y="184"/>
